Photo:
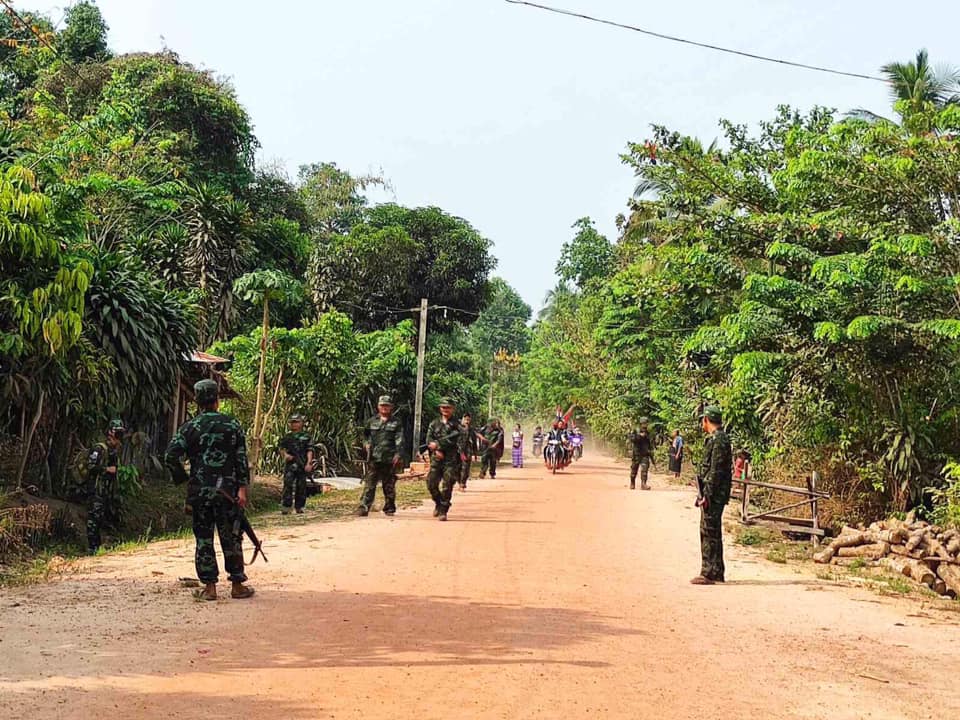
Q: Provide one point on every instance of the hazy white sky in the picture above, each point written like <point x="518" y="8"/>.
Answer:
<point x="509" y="117"/>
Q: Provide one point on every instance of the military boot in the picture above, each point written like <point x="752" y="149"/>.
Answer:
<point x="207" y="593"/>
<point x="239" y="591"/>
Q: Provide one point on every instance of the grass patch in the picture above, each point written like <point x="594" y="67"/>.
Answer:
<point x="777" y="554"/>
<point x="752" y="536"/>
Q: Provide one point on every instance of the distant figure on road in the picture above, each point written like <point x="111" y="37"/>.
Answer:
<point x="714" y="495"/>
<point x="537" y="441"/>
<point x="676" y="453"/>
<point x="383" y="441"/>
<point x="641" y="454"/>
<point x="468" y="446"/>
<point x="517" y="447"/>
<point x="443" y="441"/>
<point x="492" y="435"/>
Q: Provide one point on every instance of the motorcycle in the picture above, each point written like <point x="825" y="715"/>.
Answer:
<point x="576" y="443"/>
<point x="554" y="456"/>
<point x="537" y="446"/>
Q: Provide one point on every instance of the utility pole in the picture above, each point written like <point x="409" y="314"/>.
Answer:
<point x="493" y="362"/>
<point x="421" y="360"/>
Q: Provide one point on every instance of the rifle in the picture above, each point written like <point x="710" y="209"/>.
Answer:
<point x="699" y="490"/>
<point x="242" y="525"/>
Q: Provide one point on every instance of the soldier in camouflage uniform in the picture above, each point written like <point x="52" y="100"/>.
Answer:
<point x="641" y="454"/>
<point x="491" y="436"/>
<point x="468" y="446"/>
<point x="297" y="447"/>
<point x="443" y="441"/>
<point x="384" y="445"/>
<point x="215" y="446"/>
<point x="715" y="480"/>
<point x="102" y="463"/>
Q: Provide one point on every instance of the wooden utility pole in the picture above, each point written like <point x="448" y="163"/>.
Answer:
<point x="421" y="360"/>
<point x="490" y="394"/>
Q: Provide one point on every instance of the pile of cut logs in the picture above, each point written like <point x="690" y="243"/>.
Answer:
<point x="926" y="553"/>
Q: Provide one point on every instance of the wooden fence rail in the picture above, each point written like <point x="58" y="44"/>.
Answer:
<point x="811" y="496"/>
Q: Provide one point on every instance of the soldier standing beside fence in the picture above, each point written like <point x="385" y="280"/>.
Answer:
<point x="715" y="482"/>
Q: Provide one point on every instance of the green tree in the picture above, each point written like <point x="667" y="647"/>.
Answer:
<point x="588" y="257"/>
<point x="263" y="288"/>
<point x="503" y="323"/>
<point x="84" y="37"/>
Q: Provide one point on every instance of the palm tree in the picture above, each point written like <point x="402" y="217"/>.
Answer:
<point x="917" y="86"/>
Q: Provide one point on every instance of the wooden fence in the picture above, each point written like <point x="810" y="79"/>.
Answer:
<point x="775" y="517"/>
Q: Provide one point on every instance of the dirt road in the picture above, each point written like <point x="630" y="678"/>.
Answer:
<point x="543" y="597"/>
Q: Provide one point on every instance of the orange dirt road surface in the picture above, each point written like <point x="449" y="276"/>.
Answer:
<point x="542" y="597"/>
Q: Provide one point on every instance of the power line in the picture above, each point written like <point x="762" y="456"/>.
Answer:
<point x="708" y="46"/>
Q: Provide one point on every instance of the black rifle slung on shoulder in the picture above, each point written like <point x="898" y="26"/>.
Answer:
<point x="699" y="489"/>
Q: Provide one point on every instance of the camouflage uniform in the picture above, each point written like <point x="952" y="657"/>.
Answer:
<point x="215" y="445"/>
<point x="100" y="489"/>
<point x="446" y="434"/>
<point x="715" y="475"/>
<point x="641" y="455"/>
<point x="491" y="450"/>
<point x="297" y="444"/>
<point x="385" y="441"/>
<point x="468" y="445"/>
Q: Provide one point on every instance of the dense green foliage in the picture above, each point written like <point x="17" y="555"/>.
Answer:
<point x="804" y="277"/>
<point x="136" y="228"/>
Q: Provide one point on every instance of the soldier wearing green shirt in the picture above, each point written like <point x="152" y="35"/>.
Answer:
<point x="468" y="446"/>
<point x="715" y="480"/>
<point x="443" y="441"/>
<point x="492" y="439"/>
<point x="384" y="445"/>
<point x="297" y="447"/>
<point x="102" y="463"/>
<point x="214" y="444"/>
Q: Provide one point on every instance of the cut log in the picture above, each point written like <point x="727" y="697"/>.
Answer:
<point x="894" y="537"/>
<point x="873" y="551"/>
<point x="921" y="573"/>
<point x="899" y="565"/>
<point x="824" y="556"/>
<point x="898" y="550"/>
<point x="848" y="538"/>
<point x="950" y="574"/>
<point x="953" y="546"/>
<point x="936" y="549"/>
<point x="939" y="586"/>
<point x="916" y="539"/>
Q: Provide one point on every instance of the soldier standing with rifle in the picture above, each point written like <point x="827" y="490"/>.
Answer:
<point x="215" y="445"/>
<point x="492" y="438"/>
<point x="297" y="447"/>
<point x="443" y="442"/>
<point x="102" y="463"/>
<point x="714" y="482"/>
<point x="468" y="446"/>
<point x="384" y="446"/>
<point x="641" y="455"/>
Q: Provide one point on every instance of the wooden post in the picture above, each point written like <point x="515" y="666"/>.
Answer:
<point x="490" y="394"/>
<point x="744" y="500"/>
<point x="814" y="507"/>
<point x="421" y="359"/>
<point x="257" y="439"/>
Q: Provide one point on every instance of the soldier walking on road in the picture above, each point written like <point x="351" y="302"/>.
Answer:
<point x="215" y="445"/>
<point x="384" y="445"/>
<point x="641" y="455"/>
<point x="443" y="441"/>
<point x="492" y="439"/>
<point x="102" y="465"/>
<point x="297" y="447"/>
<point x="468" y="446"/>
<point x="715" y="471"/>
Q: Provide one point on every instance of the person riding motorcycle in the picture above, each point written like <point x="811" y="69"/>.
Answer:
<point x="555" y="437"/>
<point x="576" y="442"/>
<point x="565" y="443"/>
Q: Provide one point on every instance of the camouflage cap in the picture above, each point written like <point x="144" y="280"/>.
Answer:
<point x="446" y="402"/>
<point x="116" y="426"/>
<point x="206" y="391"/>
<point x="385" y="400"/>
<point x="296" y="417"/>
<point x="713" y="414"/>
<point x="644" y="420"/>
